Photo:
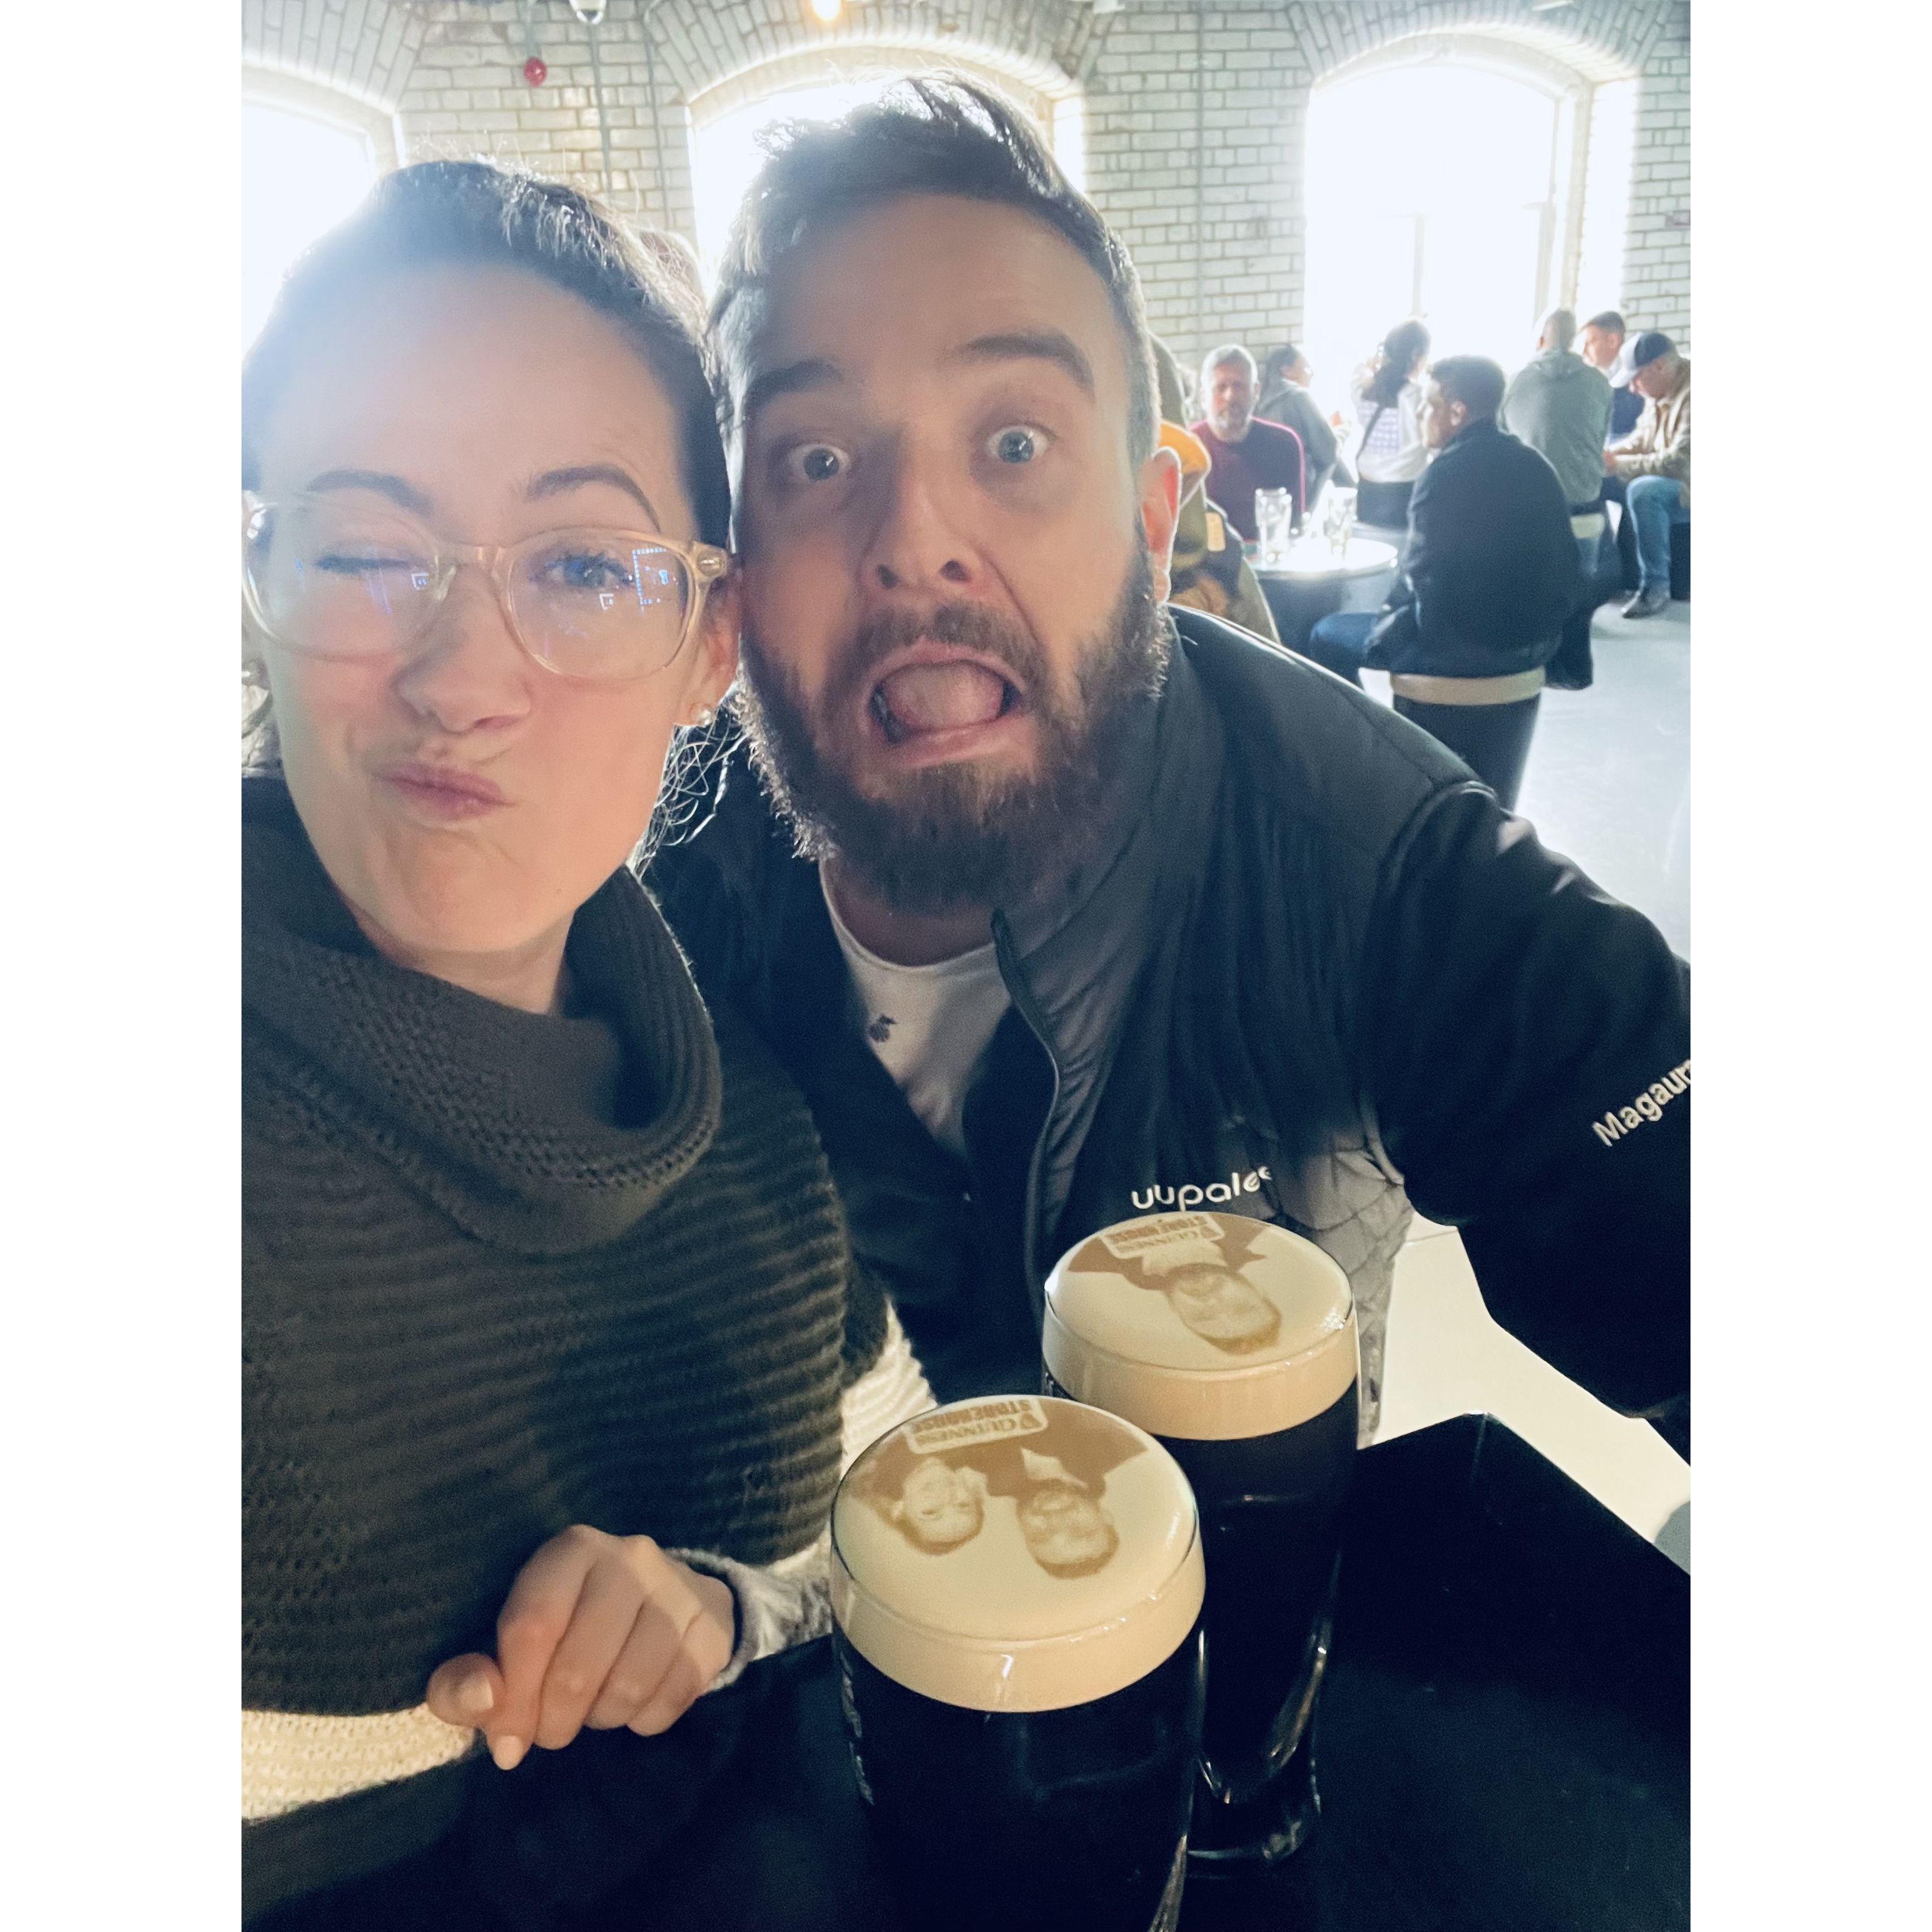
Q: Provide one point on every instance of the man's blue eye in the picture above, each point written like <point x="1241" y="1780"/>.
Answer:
<point x="1016" y="445"/>
<point x="818" y="463"/>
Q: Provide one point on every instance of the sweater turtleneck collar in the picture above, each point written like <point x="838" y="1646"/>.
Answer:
<point x="541" y="1134"/>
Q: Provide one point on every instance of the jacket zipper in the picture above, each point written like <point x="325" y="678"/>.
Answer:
<point x="1022" y="996"/>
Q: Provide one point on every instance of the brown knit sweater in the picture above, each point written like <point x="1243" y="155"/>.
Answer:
<point x="503" y="1273"/>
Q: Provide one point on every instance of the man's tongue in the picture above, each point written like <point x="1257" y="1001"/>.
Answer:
<point x="943" y="697"/>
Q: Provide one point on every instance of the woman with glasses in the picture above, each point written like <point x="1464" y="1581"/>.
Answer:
<point x="554" y="1347"/>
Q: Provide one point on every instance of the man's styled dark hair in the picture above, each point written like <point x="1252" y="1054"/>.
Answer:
<point x="937" y="136"/>
<point x="1474" y="381"/>
<point x="1608" y="319"/>
<point x="477" y="215"/>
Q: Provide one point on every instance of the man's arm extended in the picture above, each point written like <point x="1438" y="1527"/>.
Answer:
<point x="1528" y="1040"/>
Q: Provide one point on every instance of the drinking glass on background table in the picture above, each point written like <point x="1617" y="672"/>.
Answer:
<point x="1274" y="524"/>
<point x="1338" y="517"/>
<point x="1016" y="1593"/>
<point x="1232" y="1342"/>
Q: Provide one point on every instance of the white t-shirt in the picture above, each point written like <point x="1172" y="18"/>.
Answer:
<point x="929" y="1025"/>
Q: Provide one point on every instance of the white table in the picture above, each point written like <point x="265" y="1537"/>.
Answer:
<point x="1313" y="581"/>
<point x="1313" y="560"/>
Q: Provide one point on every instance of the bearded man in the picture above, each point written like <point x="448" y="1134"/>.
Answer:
<point x="1047" y="894"/>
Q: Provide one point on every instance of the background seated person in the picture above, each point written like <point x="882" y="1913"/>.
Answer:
<point x="1284" y="399"/>
<point x="1560" y="406"/>
<point x="1245" y="453"/>
<point x="1602" y="344"/>
<point x="1208" y="571"/>
<point x="1490" y="570"/>
<point x="1388" y="393"/>
<point x="1651" y="467"/>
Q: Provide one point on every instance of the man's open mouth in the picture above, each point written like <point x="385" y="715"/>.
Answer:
<point x="933" y="694"/>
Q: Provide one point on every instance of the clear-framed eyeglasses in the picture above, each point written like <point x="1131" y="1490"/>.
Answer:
<point x="337" y="578"/>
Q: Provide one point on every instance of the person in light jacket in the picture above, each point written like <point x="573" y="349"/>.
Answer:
<point x="1651" y="467"/>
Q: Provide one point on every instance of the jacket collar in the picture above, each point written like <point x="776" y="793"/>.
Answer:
<point x="1485" y="428"/>
<point x="1079" y="940"/>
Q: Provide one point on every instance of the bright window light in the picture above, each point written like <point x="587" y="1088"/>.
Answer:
<point x="1431" y="192"/>
<point x="299" y="177"/>
<point x="726" y="155"/>
<point x="1599" y="275"/>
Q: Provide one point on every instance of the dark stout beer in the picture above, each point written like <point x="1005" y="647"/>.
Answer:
<point x="1233" y="1342"/>
<point x="1016" y="1592"/>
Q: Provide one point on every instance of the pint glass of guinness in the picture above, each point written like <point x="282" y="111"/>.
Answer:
<point x="1233" y="1342"/>
<point x="1016" y="1592"/>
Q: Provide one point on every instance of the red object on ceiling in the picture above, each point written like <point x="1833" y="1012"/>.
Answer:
<point x="535" y="71"/>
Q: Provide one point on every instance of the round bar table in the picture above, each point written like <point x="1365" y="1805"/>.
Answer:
<point x="1312" y="581"/>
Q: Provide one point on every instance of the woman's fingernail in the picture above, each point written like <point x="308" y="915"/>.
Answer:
<point x="474" y="1697"/>
<point x="508" y="1751"/>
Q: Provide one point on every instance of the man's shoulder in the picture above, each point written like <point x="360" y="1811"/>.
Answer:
<point x="1307" y="746"/>
<point x="1280" y="434"/>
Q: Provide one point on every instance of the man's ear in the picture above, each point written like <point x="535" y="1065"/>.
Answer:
<point x="1160" y="510"/>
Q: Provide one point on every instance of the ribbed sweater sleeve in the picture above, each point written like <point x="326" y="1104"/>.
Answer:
<point x="789" y="1602"/>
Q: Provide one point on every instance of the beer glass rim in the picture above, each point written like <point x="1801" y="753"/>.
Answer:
<point x="1052" y="1671"/>
<point x="1205" y="1401"/>
<point x="1203" y="1405"/>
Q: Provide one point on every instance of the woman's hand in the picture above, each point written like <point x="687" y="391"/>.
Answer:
<point x="597" y="1630"/>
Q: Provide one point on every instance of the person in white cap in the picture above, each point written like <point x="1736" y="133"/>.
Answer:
<point x="1653" y="465"/>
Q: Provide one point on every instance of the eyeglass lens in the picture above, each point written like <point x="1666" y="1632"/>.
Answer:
<point x="342" y="580"/>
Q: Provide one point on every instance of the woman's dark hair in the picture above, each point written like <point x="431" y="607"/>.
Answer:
<point x="477" y="215"/>
<point x="939" y="136"/>
<point x="1400" y="347"/>
<point x="1276" y="363"/>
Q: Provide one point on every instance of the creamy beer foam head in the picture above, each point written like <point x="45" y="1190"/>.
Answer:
<point x="1201" y="1326"/>
<point x="1016" y="1553"/>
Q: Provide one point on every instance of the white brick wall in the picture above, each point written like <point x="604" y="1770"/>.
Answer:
<point x="1177" y="101"/>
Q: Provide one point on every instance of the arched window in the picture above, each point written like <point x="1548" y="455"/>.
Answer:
<point x="727" y="120"/>
<point x="1444" y="181"/>
<point x="308" y="156"/>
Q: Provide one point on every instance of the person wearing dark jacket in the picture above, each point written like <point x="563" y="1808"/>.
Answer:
<point x="1489" y="569"/>
<point x="1062" y="906"/>
<point x="1489" y="574"/>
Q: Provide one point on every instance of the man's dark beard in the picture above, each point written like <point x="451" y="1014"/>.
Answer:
<point x="953" y="835"/>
